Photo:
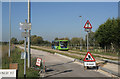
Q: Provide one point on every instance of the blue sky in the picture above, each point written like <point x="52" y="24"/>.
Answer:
<point x="57" y="19"/>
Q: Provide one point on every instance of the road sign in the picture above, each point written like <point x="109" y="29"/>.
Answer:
<point x="38" y="62"/>
<point x="24" y="34"/>
<point x="89" y="57"/>
<point x="25" y="26"/>
<point x="89" y="63"/>
<point x="89" y="60"/>
<point x="22" y="55"/>
<point x="88" y="25"/>
<point x="8" y="73"/>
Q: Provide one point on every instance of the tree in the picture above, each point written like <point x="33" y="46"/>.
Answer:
<point x="36" y="39"/>
<point x="91" y="38"/>
<point x="66" y="38"/>
<point x="75" y="40"/>
<point x="21" y="42"/>
<point x="108" y="33"/>
<point x="56" y="38"/>
<point x="14" y="40"/>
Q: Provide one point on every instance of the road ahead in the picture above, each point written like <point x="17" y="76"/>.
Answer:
<point x="58" y="66"/>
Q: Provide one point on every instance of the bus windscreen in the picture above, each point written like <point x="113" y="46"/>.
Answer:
<point x="63" y="44"/>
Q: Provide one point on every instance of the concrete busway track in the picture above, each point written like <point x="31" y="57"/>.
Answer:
<point x="79" y="55"/>
<point x="106" y="66"/>
<point x="58" y="66"/>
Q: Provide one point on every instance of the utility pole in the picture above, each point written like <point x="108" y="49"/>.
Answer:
<point x="80" y="39"/>
<point x="9" y="26"/>
<point x="29" y="32"/>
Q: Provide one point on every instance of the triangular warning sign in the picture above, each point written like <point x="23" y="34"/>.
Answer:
<point x="88" y="25"/>
<point x="89" y="57"/>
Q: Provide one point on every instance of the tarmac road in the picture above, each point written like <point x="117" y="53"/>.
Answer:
<point x="58" y="66"/>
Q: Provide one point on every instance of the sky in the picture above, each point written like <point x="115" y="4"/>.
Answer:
<point x="56" y="19"/>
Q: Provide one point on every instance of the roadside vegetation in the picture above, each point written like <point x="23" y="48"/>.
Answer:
<point x="16" y="58"/>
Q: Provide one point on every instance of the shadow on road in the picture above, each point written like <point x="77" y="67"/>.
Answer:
<point x="49" y="70"/>
<point x="59" y="73"/>
<point x="60" y="64"/>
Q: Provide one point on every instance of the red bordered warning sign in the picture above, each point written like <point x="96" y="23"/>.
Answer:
<point x="38" y="62"/>
<point x="88" y="25"/>
<point x="89" y="57"/>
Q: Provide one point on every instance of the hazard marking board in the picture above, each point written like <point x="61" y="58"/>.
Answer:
<point x="88" y="25"/>
<point x="38" y="62"/>
<point x="89" y="57"/>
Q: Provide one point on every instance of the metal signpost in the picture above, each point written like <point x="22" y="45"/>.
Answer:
<point x="9" y="27"/>
<point x="88" y="28"/>
<point x="88" y="60"/>
<point x="29" y="32"/>
<point x="80" y="38"/>
<point x="26" y="26"/>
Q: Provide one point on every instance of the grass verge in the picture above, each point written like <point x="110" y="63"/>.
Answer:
<point x="16" y="58"/>
<point x="96" y="52"/>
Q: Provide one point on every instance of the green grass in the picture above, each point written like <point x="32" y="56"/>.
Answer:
<point x="16" y="58"/>
<point x="107" y="53"/>
<point x="93" y="55"/>
<point x="96" y="52"/>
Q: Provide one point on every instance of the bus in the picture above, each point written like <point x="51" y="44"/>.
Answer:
<point x="60" y="45"/>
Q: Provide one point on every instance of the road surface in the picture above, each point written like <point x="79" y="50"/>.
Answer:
<point x="58" y="66"/>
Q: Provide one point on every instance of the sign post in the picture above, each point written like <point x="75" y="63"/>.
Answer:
<point x="88" y="60"/>
<point x="26" y="26"/>
<point x="88" y="28"/>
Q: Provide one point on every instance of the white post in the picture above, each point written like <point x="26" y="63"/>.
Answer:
<point x="80" y="39"/>
<point x="80" y="43"/>
<point x="29" y="31"/>
<point x="87" y="42"/>
<point x="25" y="54"/>
<point x="9" y="26"/>
<point x="25" y="59"/>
